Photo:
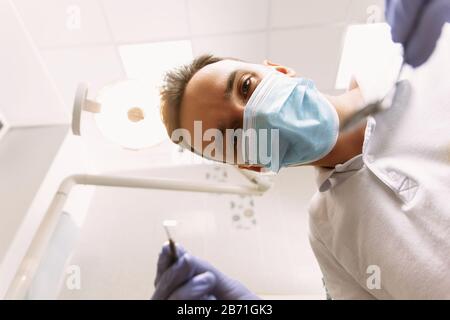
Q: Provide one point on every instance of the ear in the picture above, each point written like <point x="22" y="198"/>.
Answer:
<point x="287" y="71"/>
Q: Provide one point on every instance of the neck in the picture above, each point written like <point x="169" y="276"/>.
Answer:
<point x="348" y="144"/>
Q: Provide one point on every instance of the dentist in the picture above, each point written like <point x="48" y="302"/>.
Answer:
<point x="398" y="221"/>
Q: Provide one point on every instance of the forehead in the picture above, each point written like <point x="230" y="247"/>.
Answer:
<point x="223" y="68"/>
<point x="207" y="87"/>
<point x="205" y="92"/>
<point x="218" y="70"/>
<point x="213" y="77"/>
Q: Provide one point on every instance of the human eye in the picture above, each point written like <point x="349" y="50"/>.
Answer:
<point x="245" y="87"/>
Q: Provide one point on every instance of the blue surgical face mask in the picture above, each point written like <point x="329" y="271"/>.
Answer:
<point x="287" y="122"/>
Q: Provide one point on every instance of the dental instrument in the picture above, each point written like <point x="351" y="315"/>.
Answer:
<point x="173" y="250"/>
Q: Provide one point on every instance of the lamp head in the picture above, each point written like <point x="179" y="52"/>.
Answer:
<point x="125" y="112"/>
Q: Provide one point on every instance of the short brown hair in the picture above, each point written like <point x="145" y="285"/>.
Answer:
<point x="174" y="85"/>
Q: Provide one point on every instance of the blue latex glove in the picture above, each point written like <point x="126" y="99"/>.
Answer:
<point x="193" y="279"/>
<point x="417" y="25"/>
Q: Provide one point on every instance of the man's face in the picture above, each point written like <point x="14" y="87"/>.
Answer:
<point x="217" y="94"/>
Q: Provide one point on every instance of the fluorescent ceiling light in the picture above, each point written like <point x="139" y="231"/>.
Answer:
<point x="368" y="50"/>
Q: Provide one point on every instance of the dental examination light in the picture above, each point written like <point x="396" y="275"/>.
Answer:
<point x="125" y="112"/>
<point x="107" y="118"/>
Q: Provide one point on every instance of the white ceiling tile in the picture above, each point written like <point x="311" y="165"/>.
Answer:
<point x="366" y="11"/>
<point x="219" y="16"/>
<point x="151" y="60"/>
<point x="313" y="52"/>
<point x="29" y="96"/>
<point x="288" y="13"/>
<point x="144" y="20"/>
<point x="249" y="47"/>
<point x="64" y="22"/>
<point x="97" y="66"/>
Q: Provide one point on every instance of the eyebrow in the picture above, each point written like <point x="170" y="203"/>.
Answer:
<point x="230" y="84"/>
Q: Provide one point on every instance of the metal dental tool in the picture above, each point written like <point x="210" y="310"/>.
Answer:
<point x="173" y="250"/>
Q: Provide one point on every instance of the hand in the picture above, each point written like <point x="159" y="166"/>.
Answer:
<point x="190" y="278"/>
<point x="417" y="25"/>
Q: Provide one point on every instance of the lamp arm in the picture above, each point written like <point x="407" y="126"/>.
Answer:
<point x="36" y="250"/>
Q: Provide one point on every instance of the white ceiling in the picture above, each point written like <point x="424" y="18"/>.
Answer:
<point x="24" y="78"/>
<point x="79" y="41"/>
<point x="305" y="35"/>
